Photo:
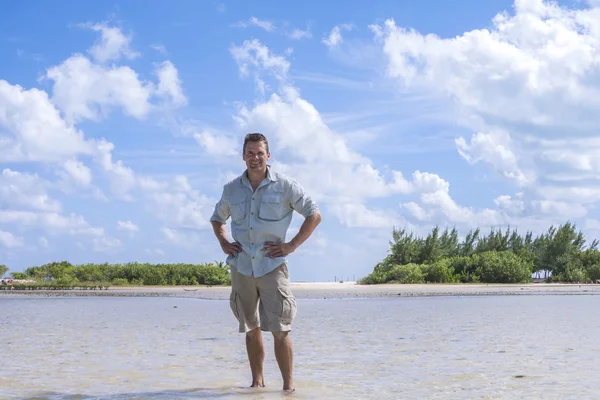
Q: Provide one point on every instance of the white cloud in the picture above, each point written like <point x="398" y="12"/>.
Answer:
<point x="355" y="215"/>
<point x="26" y="191"/>
<point x="83" y="90"/>
<point x="52" y="222"/>
<point x="78" y="172"/>
<point x="127" y="226"/>
<point x="253" y="54"/>
<point x="417" y="211"/>
<point x="112" y="45"/>
<point x="528" y="88"/>
<point x="181" y="207"/>
<point x="169" y="84"/>
<point x="122" y="178"/>
<point x="330" y="170"/>
<point x="31" y="128"/>
<point x="253" y="21"/>
<point x="160" y="48"/>
<point x="219" y="145"/>
<point x="298" y="34"/>
<point x="335" y="36"/>
<point x="495" y="149"/>
<point x="8" y="240"/>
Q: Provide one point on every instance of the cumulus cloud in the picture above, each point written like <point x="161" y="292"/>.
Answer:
<point x="84" y="90"/>
<point x="9" y="241"/>
<point x="77" y="172"/>
<point x="36" y="128"/>
<point x="335" y="36"/>
<point x="528" y="87"/>
<point x="218" y="144"/>
<point x="127" y="226"/>
<point x="181" y="206"/>
<point x="25" y="191"/>
<point x="330" y="169"/>
<point x="253" y="55"/>
<point x="169" y="84"/>
<point x="32" y="129"/>
<point x="112" y="45"/>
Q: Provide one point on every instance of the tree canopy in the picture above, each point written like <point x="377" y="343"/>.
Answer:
<point x="560" y="254"/>
<point x="129" y="274"/>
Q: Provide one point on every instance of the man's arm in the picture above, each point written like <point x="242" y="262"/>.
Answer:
<point x="220" y="231"/>
<point x="302" y="203"/>
<point x="308" y="227"/>
<point x="282" y="249"/>
<point x="219" y="220"/>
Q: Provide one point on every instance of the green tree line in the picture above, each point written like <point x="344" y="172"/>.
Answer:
<point x="559" y="255"/>
<point x="65" y="273"/>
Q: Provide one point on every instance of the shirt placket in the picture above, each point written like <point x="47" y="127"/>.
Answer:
<point x="254" y="256"/>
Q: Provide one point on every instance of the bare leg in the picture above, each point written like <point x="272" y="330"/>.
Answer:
<point x="284" y="353"/>
<point x="256" y="356"/>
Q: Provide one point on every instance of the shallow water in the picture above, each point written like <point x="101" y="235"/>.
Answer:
<point x="535" y="347"/>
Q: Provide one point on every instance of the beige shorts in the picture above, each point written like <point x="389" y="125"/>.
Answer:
<point x="266" y="302"/>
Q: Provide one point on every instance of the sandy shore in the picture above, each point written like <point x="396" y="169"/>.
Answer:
<point x="331" y="290"/>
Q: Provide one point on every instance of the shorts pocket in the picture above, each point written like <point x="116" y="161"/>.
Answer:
<point x="234" y="304"/>
<point x="289" y="307"/>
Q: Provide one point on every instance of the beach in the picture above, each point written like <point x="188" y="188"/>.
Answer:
<point x="331" y="290"/>
<point x="419" y="345"/>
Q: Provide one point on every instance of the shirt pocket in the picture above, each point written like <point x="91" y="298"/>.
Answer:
<point x="237" y="209"/>
<point x="272" y="207"/>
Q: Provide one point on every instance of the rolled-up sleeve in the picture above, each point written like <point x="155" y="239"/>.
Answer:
<point x="221" y="211"/>
<point x="301" y="202"/>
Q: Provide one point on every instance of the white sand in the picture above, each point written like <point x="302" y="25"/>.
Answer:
<point x="333" y="290"/>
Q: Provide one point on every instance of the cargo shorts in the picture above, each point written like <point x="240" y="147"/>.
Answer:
<point x="265" y="302"/>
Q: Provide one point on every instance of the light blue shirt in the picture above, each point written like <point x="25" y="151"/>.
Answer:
<point x="260" y="216"/>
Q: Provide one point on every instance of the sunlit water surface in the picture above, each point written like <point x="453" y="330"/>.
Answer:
<point x="521" y="347"/>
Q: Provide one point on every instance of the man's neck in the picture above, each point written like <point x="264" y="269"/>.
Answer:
<point x="256" y="177"/>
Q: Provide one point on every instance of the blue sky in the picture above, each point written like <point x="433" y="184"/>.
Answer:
<point x="119" y="122"/>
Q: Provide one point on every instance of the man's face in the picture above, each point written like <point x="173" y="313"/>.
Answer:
<point x="256" y="156"/>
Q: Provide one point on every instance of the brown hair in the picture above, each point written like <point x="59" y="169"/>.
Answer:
<point x="255" y="137"/>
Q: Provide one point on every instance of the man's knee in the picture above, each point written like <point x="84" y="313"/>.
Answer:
<point x="253" y="333"/>
<point x="280" y="336"/>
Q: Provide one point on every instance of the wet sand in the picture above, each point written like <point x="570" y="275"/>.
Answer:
<point x="331" y="290"/>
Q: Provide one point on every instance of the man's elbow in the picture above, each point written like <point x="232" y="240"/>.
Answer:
<point x="316" y="217"/>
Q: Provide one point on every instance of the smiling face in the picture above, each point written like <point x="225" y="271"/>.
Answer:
<point x="256" y="156"/>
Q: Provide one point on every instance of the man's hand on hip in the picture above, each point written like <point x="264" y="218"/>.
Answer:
<point x="278" y="249"/>
<point x="231" y="248"/>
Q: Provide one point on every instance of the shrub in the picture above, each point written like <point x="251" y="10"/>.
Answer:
<point x="594" y="272"/>
<point x="409" y="273"/>
<point x="502" y="267"/>
<point x="120" y="282"/>
<point x="440" y="272"/>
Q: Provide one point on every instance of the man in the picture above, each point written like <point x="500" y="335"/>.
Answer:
<point x="261" y="203"/>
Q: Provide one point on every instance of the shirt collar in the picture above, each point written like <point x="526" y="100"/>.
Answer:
<point x="271" y="176"/>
